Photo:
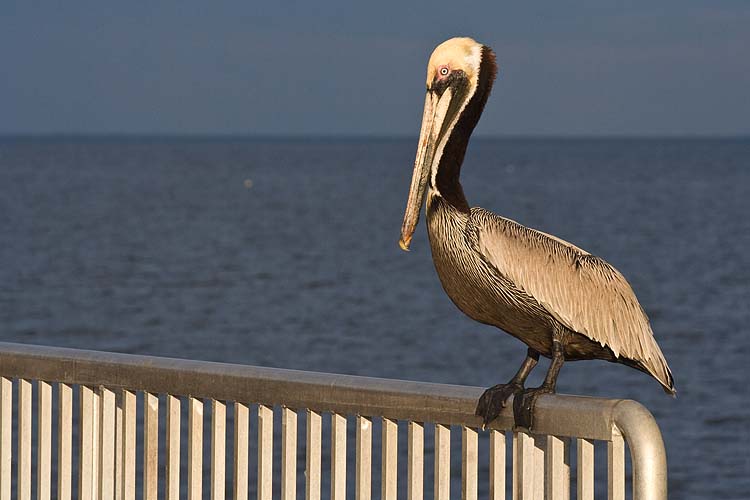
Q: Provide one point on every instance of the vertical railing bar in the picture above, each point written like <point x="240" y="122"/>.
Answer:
<point x="265" y="452"/>
<point x="585" y="469"/>
<point x="86" y="444"/>
<point x="338" y="456"/>
<point x="523" y="466"/>
<point x="6" y="436"/>
<point x="150" y="446"/>
<point x="312" y="455"/>
<point x="119" y="433"/>
<point x="558" y="468"/>
<point x="415" y="457"/>
<point x="442" y="462"/>
<point x="218" y="449"/>
<point x="241" y="450"/>
<point x="106" y="444"/>
<point x="389" y="472"/>
<point x="364" y="459"/>
<point x="195" y="449"/>
<point x="616" y="468"/>
<point x="469" y="463"/>
<point x="128" y="402"/>
<point x="96" y="449"/>
<point x="288" y="454"/>
<point x="173" y="447"/>
<point x="515" y="466"/>
<point x="497" y="465"/>
<point x="44" y="441"/>
<point x="64" y="441"/>
<point x="540" y="477"/>
<point x="24" y="440"/>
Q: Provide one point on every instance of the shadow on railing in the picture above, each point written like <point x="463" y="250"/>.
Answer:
<point x="119" y="397"/>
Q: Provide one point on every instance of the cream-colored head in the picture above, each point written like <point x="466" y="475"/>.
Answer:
<point x="457" y="54"/>
<point x="460" y="72"/>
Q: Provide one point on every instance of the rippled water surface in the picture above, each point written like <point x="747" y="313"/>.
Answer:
<point x="283" y="253"/>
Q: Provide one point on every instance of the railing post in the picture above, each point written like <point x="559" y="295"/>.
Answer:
<point x="389" y="454"/>
<point x="312" y="458"/>
<point x="106" y="481"/>
<point x="174" y="413"/>
<point x="442" y="462"/>
<point x="44" y="441"/>
<point x="195" y="448"/>
<point x="415" y="453"/>
<point x="616" y="468"/>
<point x="338" y="456"/>
<point x="6" y="428"/>
<point x="497" y="465"/>
<point x="64" y="442"/>
<point x="150" y="445"/>
<point x="218" y="449"/>
<point x="585" y="469"/>
<point x="288" y="454"/>
<point x="24" y="439"/>
<point x="265" y="452"/>
<point x="128" y="401"/>
<point x="469" y="463"/>
<point x="523" y="466"/>
<point x="558" y="468"/>
<point x="649" y="460"/>
<point x="241" y="453"/>
<point x="86" y="447"/>
<point x="364" y="459"/>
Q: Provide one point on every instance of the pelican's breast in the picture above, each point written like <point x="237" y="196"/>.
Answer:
<point x="475" y="287"/>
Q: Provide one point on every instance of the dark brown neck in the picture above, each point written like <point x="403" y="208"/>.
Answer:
<point x="449" y="168"/>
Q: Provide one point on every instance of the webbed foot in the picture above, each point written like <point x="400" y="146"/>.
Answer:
<point x="524" y="403"/>
<point x="494" y="399"/>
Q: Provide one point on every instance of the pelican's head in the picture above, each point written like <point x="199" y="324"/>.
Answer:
<point x="459" y="77"/>
<point x="453" y="60"/>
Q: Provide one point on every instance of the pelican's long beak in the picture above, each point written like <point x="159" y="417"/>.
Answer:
<point x="433" y="129"/>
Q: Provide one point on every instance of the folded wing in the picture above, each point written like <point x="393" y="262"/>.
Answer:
<point x="582" y="291"/>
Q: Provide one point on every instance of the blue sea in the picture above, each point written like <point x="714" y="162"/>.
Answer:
<point x="283" y="252"/>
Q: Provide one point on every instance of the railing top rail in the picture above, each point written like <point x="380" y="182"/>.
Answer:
<point x="561" y="415"/>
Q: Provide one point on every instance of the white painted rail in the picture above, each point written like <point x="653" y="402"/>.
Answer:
<point x="117" y="394"/>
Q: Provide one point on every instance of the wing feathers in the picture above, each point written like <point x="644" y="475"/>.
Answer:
<point x="580" y="290"/>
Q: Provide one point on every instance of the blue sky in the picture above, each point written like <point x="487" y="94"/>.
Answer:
<point x="589" y="67"/>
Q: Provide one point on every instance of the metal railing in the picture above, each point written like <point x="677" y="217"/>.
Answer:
<point x="103" y="431"/>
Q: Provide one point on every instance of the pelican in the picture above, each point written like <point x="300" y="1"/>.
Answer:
<point x="561" y="301"/>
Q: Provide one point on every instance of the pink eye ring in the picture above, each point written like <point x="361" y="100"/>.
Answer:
<point x="444" y="71"/>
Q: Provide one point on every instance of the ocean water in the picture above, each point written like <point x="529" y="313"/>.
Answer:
<point x="283" y="253"/>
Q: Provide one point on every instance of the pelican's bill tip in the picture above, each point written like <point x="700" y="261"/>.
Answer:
<point x="403" y="244"/>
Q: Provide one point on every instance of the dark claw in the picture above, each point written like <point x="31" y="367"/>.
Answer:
<point x="523" y="406"/>
<point x="493" y="400"/>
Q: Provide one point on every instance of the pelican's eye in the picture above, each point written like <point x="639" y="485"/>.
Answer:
<point x="444" y="71"/>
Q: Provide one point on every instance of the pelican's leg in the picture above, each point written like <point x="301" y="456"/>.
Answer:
<point x="523" y="403"/>
<point x="494" y="399"/>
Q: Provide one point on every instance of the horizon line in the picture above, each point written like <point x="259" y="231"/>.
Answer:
<point x="213" y="136"/>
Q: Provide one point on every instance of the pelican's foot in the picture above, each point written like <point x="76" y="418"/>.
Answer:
<point x="494" y="399"/>
<point x="524" y="403"/>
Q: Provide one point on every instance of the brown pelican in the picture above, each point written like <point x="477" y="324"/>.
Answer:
<point x="561" y="301"/>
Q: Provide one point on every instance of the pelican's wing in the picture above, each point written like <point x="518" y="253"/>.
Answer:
<point x="580" y="290"/>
